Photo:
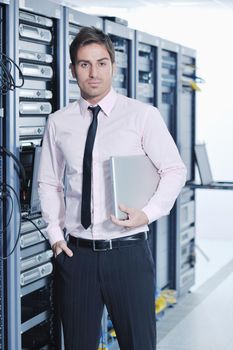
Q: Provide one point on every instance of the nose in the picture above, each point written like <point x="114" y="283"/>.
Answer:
<point x="93" y="71"/>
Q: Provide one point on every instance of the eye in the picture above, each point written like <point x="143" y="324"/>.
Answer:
<point x="83" y="64"/>
<point x="102" y="64"/>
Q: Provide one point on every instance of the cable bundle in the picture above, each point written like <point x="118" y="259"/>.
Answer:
<point x="7" y="81"/>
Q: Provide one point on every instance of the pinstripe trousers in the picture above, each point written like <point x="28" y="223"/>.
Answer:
<point x="123" y="280"/>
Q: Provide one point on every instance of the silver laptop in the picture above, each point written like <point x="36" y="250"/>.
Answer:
<point x="134" y="181"/>
<point x="205" y="169"/>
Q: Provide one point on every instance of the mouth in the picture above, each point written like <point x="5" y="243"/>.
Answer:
<point x="93" y="82"/>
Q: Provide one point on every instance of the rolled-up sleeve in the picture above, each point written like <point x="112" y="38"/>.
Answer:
<point x="50" y="183"/>
<point x="160" y="147"/>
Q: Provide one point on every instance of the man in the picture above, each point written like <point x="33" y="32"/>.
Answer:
<point x="106" y="260"/>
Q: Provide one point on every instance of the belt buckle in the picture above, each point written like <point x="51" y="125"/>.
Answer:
<point x="102" y="249"/>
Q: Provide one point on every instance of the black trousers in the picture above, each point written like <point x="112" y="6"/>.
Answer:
<point x="123" y="280"/>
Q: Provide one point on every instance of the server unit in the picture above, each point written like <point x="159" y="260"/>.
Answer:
<point x="74" y="20"/>
<point x="123" y="41"/>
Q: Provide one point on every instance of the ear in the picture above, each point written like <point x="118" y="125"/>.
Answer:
<point x="72" y="68"/>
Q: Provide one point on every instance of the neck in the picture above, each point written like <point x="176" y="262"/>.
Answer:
<point x="95" y="99"/>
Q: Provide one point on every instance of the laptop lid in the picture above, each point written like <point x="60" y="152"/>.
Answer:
<point x="203" y="164"/>
<point x="134" y="181"/>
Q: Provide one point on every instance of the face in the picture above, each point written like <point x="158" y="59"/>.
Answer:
<point x="93" y="71"/>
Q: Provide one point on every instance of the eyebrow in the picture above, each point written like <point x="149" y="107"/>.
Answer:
<point x="99" y="60"/>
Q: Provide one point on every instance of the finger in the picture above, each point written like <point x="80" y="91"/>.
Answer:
<point x="125" y="223"/>
<point x="57" y="252"/>
<point x="127" y="210"/>
<point x="62" y="246"/>
<point x="68" y="251"/>
<point x="123" y="208"/>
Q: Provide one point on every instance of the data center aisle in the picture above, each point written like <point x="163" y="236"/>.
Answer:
<point x="203" y="319"/>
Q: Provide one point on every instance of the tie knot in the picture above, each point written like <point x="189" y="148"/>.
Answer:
<point x="95" y="110"/>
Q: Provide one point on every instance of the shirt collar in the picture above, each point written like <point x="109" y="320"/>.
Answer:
<point x="106" y="104"/>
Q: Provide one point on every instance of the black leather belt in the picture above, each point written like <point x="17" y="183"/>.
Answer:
<point x="103" y="245"/>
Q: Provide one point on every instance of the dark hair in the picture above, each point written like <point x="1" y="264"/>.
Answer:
<point x="90" y="35"/>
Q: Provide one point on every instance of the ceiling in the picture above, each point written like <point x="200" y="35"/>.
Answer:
<point x="130" y="4"/>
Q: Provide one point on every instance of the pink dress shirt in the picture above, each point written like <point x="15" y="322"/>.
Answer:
<point x="125" y="127"/>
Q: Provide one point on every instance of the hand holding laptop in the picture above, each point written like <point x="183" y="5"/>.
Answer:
<point x="135" y="217"/>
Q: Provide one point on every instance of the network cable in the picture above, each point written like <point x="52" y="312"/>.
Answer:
<point x="5" y="193"/>
<point x="26" y="218"/>
<point x="5" y="186"/>
<point x="7" y="81"/>
<point x="5" y="151"/>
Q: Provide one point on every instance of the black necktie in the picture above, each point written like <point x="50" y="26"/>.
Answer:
<point x="87" y="166"/>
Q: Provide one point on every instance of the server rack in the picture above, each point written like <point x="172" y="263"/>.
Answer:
<point x="186" y="132"/>
<point x="167" y="104"/>
<point x="10" y="176"/>
<point x="184" y="274"/>
<point x="147" y="89"/>
<point x="124" y="42"/>
<point x="38" y="50"/>
<point x="74" y="20"/>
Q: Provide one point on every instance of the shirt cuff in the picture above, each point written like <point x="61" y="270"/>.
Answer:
<point x="153" y="213"/>
<point x="55" y="235"/>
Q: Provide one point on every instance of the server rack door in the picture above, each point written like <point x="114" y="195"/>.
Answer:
<point x="74" y="20"/>
<point x="123" y="41"/>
